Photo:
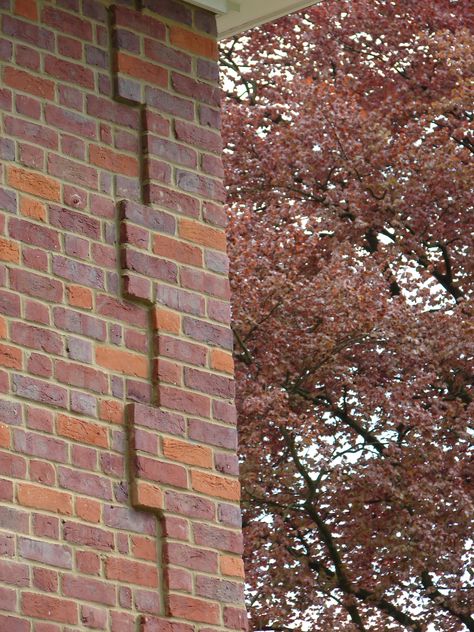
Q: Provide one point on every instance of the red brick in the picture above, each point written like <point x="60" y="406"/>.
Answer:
<point x="111" y="161"/>
<point x="80" y="296"/>
<point x="44" y="498"/>
<point x="177" y="250"/>
<point x="209" y="383"/>
<point x="24" y="81"/>
<point x="155" y="419"/>
<point x="154" y="267"/>
<point x="181" y="350"/>
<point x="189" y="557"/>
<point x="51" y="608"/>
<point x="86" y="535"/>
<point x="122" y="361"/>
<point x="32" y="208"/>
<point x="75" y="172"/>
<point x="87" y="589"/>
<point x="28" y="106"/>
<point x="34" y="183"/>
<point x="221" y="590"/>
<point x="37" y="134"/>
<point x="166" y="55"/>
<point x="45" y="580"/>
<point x="27" y="9"/>
<point x="193" y="609"/>
<point x="128" y="571"/>
<point x="69" y="47"/>
<point x="78" y="323"/>
<point x="192" y="42"/>
<point x="110" y="410"/>
<point x="202" y="234"/>
<point x="67" y="71"/>
<point x="216" y="486"/>
<point x="235" y="618"/>
<point x="70" y="121"/>
<point x="210" y="334"/>
<point x="82" y="431"/>
<point x="85" y="483"/>
<point x="88" y="562"/>
<point x="40" y="445"/>
<point x="213" y="434"/>
<point x="200" y="185"/>
<point x="197" y="136"/>
<point x="218" y="538"/>
<point x="10" y="357"/>
<point x="171" y="151"/>
<point x="160" y="472"/>
<point x="39" y="390"/>
<point x="67" y="23"/>
<point x="169" y="103"/>
<point x="81" y="376"/>
<point x="203" y="92"/>
<point x="166" y="320"/>
<point x="12" y="466"/>
<point x="140" y="69"/>
<point x="45" y="552"/>
<point x="184" y="401"/>
<point x="36" y="338"/>
<point x="42" y="473"/>
<point x="181" y="300"/>
<point x="232" y="566"/>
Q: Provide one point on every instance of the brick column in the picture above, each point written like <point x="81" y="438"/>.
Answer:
<point x="119" y="492"/>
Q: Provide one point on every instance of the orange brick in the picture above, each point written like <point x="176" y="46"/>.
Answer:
<point x="44" y="498"/>
<point x="110" y="410"/>
<point x="140" y="69"/>
<point x="27" y="9"/>
<point x="146" y="496"/>
<point x="9" y="251"/>
<point x="222" y="361"/>
<point x="32" y="208"/>
<point x="189" y="453"/>
<point x="4" y="436"/>
<point x="217" y="486"/>
<point x="25" y="82"/>
<point x="179" y="251"/>
<point x="119" y="163"/>
<point x="10" y="357"/>
<point x="169" y="372"/>
<point x="231" y="565"/>
<point x="127" y="571"/>
<point x="190" y="41"/>
<point x="164" y="320"/>
<point x="122" y="361"/>
<point x="79" y="296"/>
<point x="202" y="234"/>
<point x="3" y="327"/>
<point x="34" y="183"/>
<point x="145" y="548"/>
<point x="82" y="431"/>
<point x="193" y="609"/>
<point x="88" y="509"/>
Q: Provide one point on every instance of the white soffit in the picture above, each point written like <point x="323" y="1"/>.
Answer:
<point x="236" y="16"/>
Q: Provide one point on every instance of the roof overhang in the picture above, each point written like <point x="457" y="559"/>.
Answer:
<point x="236" y="16"/>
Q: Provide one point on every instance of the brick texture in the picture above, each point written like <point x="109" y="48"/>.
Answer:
<point x="119" y="498"/>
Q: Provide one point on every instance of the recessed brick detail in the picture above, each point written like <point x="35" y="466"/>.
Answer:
<point x="120" y="490"/>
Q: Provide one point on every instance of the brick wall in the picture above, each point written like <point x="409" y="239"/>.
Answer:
<point x="119" y="491"/>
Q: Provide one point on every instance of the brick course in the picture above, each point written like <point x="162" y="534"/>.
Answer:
<point x="119" y="491"/>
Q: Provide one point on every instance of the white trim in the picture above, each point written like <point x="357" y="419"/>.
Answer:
<point x="216" y="6"/>
<point x="255" y="12"/>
